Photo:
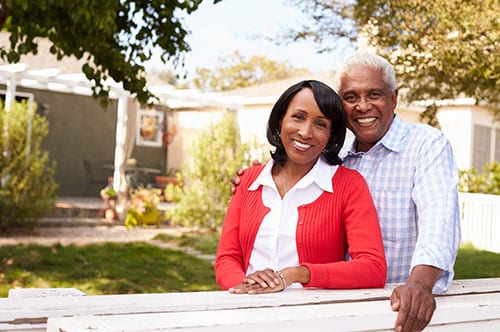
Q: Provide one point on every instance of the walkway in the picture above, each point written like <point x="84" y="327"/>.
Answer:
<point x="83" y="231"/>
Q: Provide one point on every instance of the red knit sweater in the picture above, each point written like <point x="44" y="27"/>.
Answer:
<point x="343" y="220"/>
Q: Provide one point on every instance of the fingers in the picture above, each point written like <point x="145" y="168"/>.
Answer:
<point x="235" y="181"/>
<point x="265" y="278"/>
<point x="265" y="281"/>
<point x="415" y="308"/>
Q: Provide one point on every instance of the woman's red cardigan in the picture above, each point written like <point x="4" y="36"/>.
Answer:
<point x="345" y="220"/>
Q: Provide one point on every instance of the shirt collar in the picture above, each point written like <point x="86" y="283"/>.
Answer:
<point x="321" y="174"/>
<point x="392" y="139"/>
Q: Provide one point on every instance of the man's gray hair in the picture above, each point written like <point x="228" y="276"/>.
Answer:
<point x="370" y="60"/>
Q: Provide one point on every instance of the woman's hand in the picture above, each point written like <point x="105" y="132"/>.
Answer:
<point x="259" y="282"/>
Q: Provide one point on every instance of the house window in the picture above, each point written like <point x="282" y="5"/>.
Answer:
<point x="482" y="146"/>
<point x="19" y="97"/>
<point x="497" y="145"/>
<point x="486" y="146"/>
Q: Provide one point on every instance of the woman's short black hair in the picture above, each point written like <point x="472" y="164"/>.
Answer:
<point x="330" y="105"/>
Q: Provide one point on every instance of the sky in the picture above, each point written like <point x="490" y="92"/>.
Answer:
<point x="220" y="29"/>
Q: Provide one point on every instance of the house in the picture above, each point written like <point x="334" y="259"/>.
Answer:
<point x="80" y="129"/>
<point x="82" y="133"/>
<point x="471" y="129"/>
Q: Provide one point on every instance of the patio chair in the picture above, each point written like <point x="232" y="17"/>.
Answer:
<point x="91" y="180"/>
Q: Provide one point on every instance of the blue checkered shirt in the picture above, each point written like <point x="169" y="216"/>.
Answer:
<point x="413" y="178"/>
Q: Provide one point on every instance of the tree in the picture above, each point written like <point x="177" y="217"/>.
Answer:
<point x="236" y="71"/>
<point x="440" y="49"/>
<point x="114" y="36"/>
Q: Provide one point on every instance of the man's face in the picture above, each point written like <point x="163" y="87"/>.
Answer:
<point x="369" y="105"/>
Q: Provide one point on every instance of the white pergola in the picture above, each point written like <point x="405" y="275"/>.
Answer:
<point x="15" y="75"/>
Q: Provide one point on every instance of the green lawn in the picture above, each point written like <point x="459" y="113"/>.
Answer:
<point x="110" y="268"/>
<point x="204" y="242"/>
<point x="473" y="263"/>
<point x="120" y="268"/>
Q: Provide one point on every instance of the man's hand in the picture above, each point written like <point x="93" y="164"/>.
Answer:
<point x="236" y="180"/>
<point x="414" y="301"/>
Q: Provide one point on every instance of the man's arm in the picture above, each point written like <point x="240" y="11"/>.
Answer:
<point x="414" y="301"/>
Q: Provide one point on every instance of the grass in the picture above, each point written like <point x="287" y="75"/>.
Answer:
<point x="204" y="242"/>
<point x="473" y="263"/>
<point x="109" y="268"/>
<point x="120" y="268"/>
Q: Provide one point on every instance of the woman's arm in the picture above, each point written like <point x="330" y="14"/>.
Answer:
<point x="367" y="267"/>
<point x="229" y="259"/>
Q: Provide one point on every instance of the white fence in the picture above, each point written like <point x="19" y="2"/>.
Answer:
<point x="480" y="220"/>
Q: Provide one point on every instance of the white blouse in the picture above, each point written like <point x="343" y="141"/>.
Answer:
<point x="275" y="244"/>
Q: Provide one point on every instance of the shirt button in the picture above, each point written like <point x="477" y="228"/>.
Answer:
<point x="301" y="222"/>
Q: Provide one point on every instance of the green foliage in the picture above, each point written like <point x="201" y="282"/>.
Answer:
<point x="27" y="187"/>
<point x="235" y="71"/>
<point x="211" y="163"/>
<point x="473" y="263"/>
<point x="487" y="182"/>
<point x="143" y="208"/>
<point x="429" y="116"/>
<point x="173" y="192"/>
<point x="108" y="191"/>
<point x="114" y="37"/>
<point x="440" y="48"/>
<point x="110" y="268"/>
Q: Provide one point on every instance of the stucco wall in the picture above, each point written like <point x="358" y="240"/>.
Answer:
<point x="79" y="128"/>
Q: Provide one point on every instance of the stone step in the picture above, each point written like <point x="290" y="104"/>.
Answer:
<point x="83" y="211"/>
<point x="71" y="208"/>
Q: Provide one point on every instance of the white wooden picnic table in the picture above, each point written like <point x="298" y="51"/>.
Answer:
<point x="469" y="305"/>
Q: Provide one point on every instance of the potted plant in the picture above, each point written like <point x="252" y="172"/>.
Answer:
<point x="143" y="208"/>
<point x="162" y="181"/>
<point x="109" y="196"/>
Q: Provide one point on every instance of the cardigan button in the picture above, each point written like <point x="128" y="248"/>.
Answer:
<point x="301" y="222"/>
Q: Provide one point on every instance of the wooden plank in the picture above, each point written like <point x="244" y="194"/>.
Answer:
<point x="25" y="313"/>
<point x="459" y="311"/>
<point x="43" y="292"/>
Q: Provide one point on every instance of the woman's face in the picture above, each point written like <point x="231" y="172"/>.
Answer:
<point x="305" y="131"/>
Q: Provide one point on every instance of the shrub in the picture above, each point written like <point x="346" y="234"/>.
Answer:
<point x="27" y="187"/>
<point x="173" y="192"/>
<point x="206" y="175"/>
<point x="487" y="182"/>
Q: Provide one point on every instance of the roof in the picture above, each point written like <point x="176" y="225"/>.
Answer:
<point x="276" y="88"/>
<point x="44" y="59"/>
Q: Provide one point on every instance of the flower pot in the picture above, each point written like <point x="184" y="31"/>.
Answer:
<point x="110" y="214"/>
<point x="162" y="180"/>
